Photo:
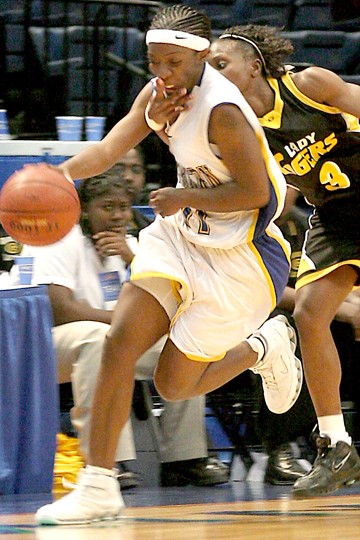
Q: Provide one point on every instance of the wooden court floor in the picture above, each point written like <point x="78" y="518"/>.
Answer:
<point x="281" y="518"/>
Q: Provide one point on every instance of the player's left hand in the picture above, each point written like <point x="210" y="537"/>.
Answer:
<point x="166" y="201"/>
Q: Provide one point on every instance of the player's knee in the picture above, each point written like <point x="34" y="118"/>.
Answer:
<point x="115" y="338"/>
<point x="306" y="318"/>
<point x="118" y="357"/>
<point x="111" y="353"/>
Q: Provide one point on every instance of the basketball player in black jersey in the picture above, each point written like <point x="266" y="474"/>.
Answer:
<point x="310" y="118"/>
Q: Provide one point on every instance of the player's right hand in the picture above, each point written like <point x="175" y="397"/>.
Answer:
<point x="166" y="103"/>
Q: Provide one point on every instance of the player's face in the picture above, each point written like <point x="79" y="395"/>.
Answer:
<point x="177" y="66"/>
<point x="227" y="57"/>
<point x="110" y="212"/>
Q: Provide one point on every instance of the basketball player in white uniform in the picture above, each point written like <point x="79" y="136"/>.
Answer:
<point x="209" y="269"/>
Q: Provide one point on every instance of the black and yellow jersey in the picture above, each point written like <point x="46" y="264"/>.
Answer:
<point x="318" y="150"/>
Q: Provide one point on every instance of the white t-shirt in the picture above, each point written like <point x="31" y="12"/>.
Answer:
<point x="73" y="262"/>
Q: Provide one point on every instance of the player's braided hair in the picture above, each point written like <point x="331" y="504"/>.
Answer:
<point x="184" y="18"/>
<point x="95" y="187"/>
<point x="274" y="48"/>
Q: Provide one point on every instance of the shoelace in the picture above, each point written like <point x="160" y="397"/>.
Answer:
<point x="269" y="381"/>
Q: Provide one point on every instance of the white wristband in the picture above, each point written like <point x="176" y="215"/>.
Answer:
<point x="151" y="123"/>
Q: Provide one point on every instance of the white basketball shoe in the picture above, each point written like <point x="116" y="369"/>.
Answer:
<point x="280" y="370"/>
<point x="96" y="497"/>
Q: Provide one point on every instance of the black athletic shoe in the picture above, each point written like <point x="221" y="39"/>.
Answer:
<point x="197" y="472"/>
<point x="282" y="467"/>
<point x="335" y="467"/>
<point x="127" y="478"/>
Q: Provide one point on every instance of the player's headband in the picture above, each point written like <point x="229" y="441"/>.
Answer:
<point x="235" y="36"/>
<point x="176" y="37"/>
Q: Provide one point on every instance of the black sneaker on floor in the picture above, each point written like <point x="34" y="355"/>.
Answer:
<point x="335" y="467"/>
<point x="197" y="472"/>
<point x="127" y="478"/>
<point x="282" y="467"/>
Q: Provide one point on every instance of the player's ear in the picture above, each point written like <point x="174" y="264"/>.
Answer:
<point x="204" y="54"/>
<point x="257" y="67"/>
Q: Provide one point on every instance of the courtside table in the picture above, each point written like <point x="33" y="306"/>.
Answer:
<point x="29" y="407"/>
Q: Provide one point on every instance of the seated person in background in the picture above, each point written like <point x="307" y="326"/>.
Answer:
<point x="131" y="168"/>
<point x="84" y="272"/>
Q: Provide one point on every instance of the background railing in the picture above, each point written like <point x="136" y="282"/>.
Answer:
<point x="87" y="57"/>
<point x="84" y="57"/>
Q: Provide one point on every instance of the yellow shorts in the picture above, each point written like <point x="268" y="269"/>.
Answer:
<point x="215" y="298"/>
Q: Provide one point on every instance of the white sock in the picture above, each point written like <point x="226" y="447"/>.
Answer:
<point x="333" y="426"/>
<point x="100" y="470"/>
<point x="257" y="346"/>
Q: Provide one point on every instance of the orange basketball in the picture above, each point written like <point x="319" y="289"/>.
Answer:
<point x="38" y="205"/>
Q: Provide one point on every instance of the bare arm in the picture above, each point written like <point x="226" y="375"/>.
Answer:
<point x="326" y="87"/>
<point x="240" y="151"/>
<point x="66" y="308"/>
<point x="126" y="134"/>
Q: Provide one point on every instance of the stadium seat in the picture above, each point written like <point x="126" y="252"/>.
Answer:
<point x="334" y="50"/>
<point x="49" y="47"/>
<point x="312" y="15"/>
<point x="14" y="47"/>
<point x="54" y="44"/>
<point x="345" y="15"/>
<point x="354" y="79"/>
<point x="91" y="60"/>
<point x="272" y="12"/>
<point x="220" y="13"/>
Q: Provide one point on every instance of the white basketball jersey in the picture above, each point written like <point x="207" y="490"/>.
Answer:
<point x="199" y="167"/>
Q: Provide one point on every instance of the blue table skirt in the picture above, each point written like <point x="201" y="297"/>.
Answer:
<point x="29" y="408"/>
